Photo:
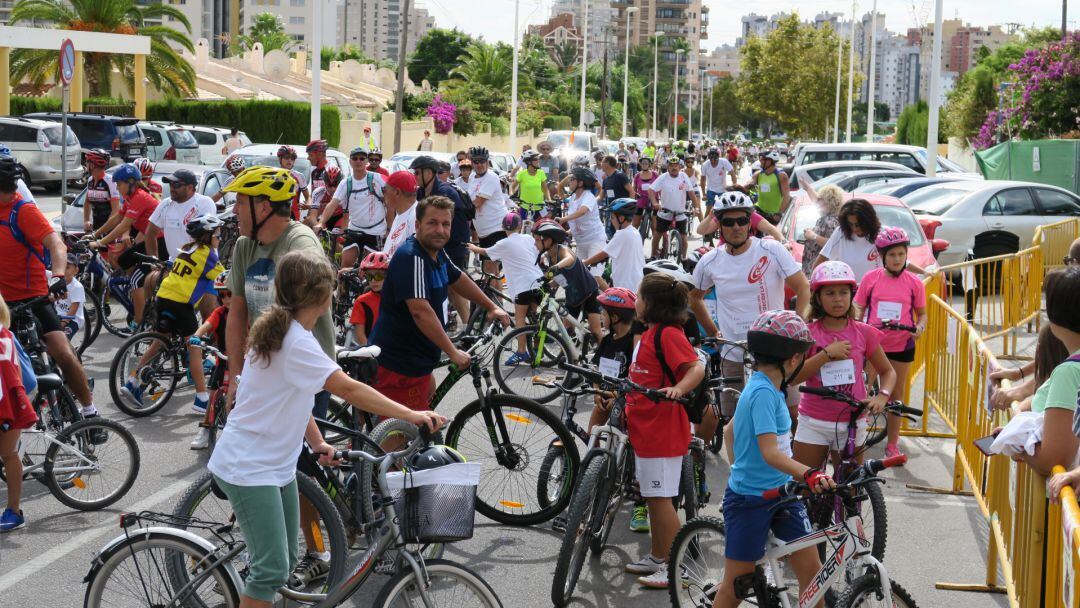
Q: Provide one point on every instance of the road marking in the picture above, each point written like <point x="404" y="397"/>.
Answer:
<point x="38" y="564"/>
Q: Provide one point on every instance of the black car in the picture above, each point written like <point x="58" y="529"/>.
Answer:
<point x="115" y="133"/>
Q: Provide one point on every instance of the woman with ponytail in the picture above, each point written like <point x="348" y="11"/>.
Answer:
<point x="254" y="462"/>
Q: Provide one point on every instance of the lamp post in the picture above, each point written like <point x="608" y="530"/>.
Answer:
<point x="873" y="72"/>
<point x="316" y="70"/>
<point x="701" y="102"/>
<point x="935" y="95"/>
<point x="655" y="77"/>
<point x="584" y="61"/>
<point x="839" y="62"/>
<point x="514" y="85"/>
<point x="626" y="67"/>
<point x="851" y="74"/>
<point x="675" y="112"/>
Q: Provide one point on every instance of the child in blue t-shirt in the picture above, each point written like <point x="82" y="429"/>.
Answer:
<point x="778" y="340"/>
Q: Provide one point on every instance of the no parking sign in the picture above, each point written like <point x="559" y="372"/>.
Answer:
<point x="67" y="61"/>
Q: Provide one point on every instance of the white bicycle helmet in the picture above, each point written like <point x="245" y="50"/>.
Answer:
<point x="672" y="269"/>
<point x="734" y="201"/>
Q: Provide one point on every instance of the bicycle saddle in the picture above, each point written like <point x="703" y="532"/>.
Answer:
<point x="49" y="382"/>
<point x="361" y="352"/>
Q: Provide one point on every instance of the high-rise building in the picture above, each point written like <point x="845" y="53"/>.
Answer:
<point x="375" y="26"/>
<point x="678" y="20"/>
<point x="723" y="62"/>
<point x="897" y="73"/>
<point x="601" y="21"/>
<point x="218" y="21"/>
<point x="959" y="48"/>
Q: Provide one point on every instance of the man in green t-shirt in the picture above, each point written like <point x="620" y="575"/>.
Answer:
<point x="650" y="150"/>
<point x="774" y="195"/>
<point x="531" y="185"/>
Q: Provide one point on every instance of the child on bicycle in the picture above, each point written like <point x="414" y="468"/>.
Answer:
<point x="70" y="307"/>
<point x="213" y="329"/>
<point x="16" y="414"/>
<point x="893" y="293"/>
<point x="842" y="348"/>
<point x="517" y="254"/>
<point x="562" y="266"/>
<point x="254" y="461"/>
<point x="624" y="249"/>
<point x="192" y="276"/>
<point x="659" y="431"/>
<point x="778" y="341"/>
<point x="366" y="306"/>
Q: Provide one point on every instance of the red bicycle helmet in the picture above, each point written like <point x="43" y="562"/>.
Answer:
<point x="235" y="164"/>
<point x="889" y="237"/>
<point x="97" y="157"/>
<point x="145" y="166"/>
<point x="317" y="145"/>
<point x="833" y="272"/>
<point x="376" y="260"/>
<point x="618" y="298"/>
<point x="333" y="175"/>
<point x="287" y="151"/>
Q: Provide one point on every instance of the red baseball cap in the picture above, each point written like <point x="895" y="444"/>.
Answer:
<point x="402" y="180"/>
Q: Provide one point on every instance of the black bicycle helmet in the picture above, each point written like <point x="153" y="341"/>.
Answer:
<point x="424" y="162"/>
<point x="479" y="153"/>
<point x="583" y="175"/>
<point x="433" y="457"/>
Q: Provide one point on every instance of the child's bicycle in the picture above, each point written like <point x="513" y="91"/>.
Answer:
<point x="153" y="382"/>
<point x="697" y="557"/>
<point x="879" y="431"/>
<point x="218" y="384"/>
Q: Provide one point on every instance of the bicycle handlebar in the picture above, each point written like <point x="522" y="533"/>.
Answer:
<point x="893" y="407"/>
<point x="423" y="438"/>
<point x="894" y="325"/>
<point x="869" y="469"/>
<point x="622" y="384"/>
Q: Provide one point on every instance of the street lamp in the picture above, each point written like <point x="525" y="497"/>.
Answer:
<point x="675" y="113"/>
<point x="655" y="77"/>
<point x="514" y="85"/>
<point x="626" y="67"/>
<point x="584" y="61"/>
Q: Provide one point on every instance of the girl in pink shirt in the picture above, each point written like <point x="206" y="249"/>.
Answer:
<point x="894" y="294"/>
<point x="843" y="346"/>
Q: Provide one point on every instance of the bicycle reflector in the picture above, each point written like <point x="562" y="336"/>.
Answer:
<point x="128" y="519"/>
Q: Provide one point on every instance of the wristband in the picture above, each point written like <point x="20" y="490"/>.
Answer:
<point x="885" y="392"/>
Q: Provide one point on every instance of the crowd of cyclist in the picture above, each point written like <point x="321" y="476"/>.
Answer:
<point x="555" y="223"/>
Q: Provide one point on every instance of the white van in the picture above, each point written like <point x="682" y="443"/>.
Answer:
<point x="168" y="141"/>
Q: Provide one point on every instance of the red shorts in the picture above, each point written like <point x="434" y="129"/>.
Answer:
<point x="414" y="392"/>
<point x="16" y="411"/>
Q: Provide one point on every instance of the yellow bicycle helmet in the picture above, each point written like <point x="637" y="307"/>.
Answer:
<point x="274" y="183"/>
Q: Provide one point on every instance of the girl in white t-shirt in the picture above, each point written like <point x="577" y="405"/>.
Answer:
<point x="254" y="462"/>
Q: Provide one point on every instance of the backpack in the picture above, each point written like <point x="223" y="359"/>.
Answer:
<point x="12" y="222"/>
<point x="370" y="179"/>
<point x="467" y="205"/>
<point x="698" y="397"/>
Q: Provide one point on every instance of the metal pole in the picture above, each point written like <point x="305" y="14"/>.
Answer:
<point x="403" y="41"/>
<point x="514" y="86"/>
<point x="851" y="74"/>
<point x="689" y="102"/>
<point x="603" y="93"/>
<point x="701" y="102"/>
<point x="712" y="129"/>
<point x="655" y="79"/>
<point x="65" y="95"/>
<point x="1064" y="16"/>
<point x="935" y="88"/>
<point x="675" y="112"/>
<point x="873" y="71"/>
<point x="839" y="62"/>
<point x="316" y="70"/>
<point x="626" y="69"/>
<point x="584" y="61"/>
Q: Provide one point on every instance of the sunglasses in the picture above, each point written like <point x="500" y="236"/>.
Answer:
<point x="731" y="222"/>
<point x="375" y="276"/>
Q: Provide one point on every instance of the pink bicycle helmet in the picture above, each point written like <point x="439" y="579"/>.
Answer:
<point x="376" y="260"/>
<point x="832" y="272"/>
<point x="889" y="237"/>
<point x="511" y="222"/>
<point x="779" y="334"/>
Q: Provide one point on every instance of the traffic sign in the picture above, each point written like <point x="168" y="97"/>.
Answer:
<point x="588" y="117"/>
<point x="67" y="61"/>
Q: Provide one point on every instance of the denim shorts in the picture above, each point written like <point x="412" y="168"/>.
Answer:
<point x="748" y="521"/>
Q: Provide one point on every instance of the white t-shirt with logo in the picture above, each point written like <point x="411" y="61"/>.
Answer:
<point x="587" y="228"/>
<point x="517" y="253"/>
<point x="76" y="294"/>
<point x="173" y="217"/>
<point x="489" y="216"/>
<point x="627" y="258"/>
<point x="673" y="191"/>
<point x="746" y="285"/>
<point x="367" y="212"/>
<point x="716" y="177"/>
<point x="859" y="253"/>
<point x="403" y="227"/>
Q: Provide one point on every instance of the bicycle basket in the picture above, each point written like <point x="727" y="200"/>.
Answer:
<point x="436" y="505"/>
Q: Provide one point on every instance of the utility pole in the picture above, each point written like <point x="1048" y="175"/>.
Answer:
<point x="655" y="79"/>
<point x="316" y="70"/>
<point x="1064" y="17"/>
<point x="870" y="86"/>
<point x="626" y="68"/>
<point x="701" y="102"/>
<point x="584" y="61"/>
<point x="851" y="74"/>
<point x="514" y="85"/>
<point x="403" y="41"/>
<point x="935" y="95"/>
<point x="603" y="93"/>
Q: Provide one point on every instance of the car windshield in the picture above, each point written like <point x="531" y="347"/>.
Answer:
<point x="53" y="134"/>
<point x="943" y="164"/>
<point x="935" y="201"/>
<point x="302" y="165"/>
<point x="835" y="178"/>
<point x="128" y="133"/>
<point x="182" y="138"/>
<point x="562" y="140"/>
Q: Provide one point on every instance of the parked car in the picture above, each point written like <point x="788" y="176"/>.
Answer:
<point x="37" y="145"/>
<point x="902" y="187"/>
<point x="959" y="211"/>
<point x="803" y="213"/>
<point x="817" y="171"/>
<point x="119" y="134"/>
<point x="848" y="181"/>
<point x="406" y="158"/>
<point x="266" y="154"/>
<point x="569" y="144"/>
<point x="167" y="141"/>
<point x="912" y="157"/>
<point x="72" y="219"/>
<point x="211" y="140"/>
<point x="502" y="163"/>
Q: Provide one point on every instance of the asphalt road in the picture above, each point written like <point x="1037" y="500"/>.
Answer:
<point x="932" y="537"/>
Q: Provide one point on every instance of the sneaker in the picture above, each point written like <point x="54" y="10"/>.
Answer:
<point x="639" y="521"/>
<point x="656" y="580"/>
<point x="310" y="569"/>
<point x="892" y="450"/>
<point x="200" y="405"/>
<point x="131" y="392"/>
<point x="517" y="358"/>
<point x="559" y="523"/>
<point x="97" y="436"/>
<point x="202" y="439"/>
<point x="11" y="520"/>
<point x="646" y="566"/>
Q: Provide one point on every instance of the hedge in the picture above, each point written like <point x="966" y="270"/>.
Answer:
<point x="26" y="105"/>
<point x="558" y="123"/>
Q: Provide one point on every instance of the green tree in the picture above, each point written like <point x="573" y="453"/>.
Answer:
<point x="564" y="55"/>
<point x="344" y="53"/>
<point x="165" y="68"/>
<point x="725" y="111"/>
<point x="858" y="116"/>
<point x="436" y="54"/>
<point x="974" y="96"/>
<point x="266" y="28"/>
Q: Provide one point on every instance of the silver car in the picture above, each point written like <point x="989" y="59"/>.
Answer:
<point x="36" y="145"/>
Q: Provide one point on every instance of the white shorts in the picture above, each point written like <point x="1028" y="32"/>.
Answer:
<point x="814" y="431"/>
<point x="658" y="477"/>
<point x="586" y="251"/>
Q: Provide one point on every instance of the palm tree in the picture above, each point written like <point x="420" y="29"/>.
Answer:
<point x="486" y="64"/>
<point x="267" y="29"/>
<point x="165" y="68"/>
<point x="565" y="55"/>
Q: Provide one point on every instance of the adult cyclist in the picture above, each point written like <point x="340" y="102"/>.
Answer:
<point x="286" y="156"/>
<point x="102" y="198"/>
<point x="774" y="194"/>
<point x="235" y="165"/>
<point x="531" y="187"/>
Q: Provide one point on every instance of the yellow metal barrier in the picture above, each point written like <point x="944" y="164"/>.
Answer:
<point x="1063" y="550"/>
<point x="1055" y="239"/>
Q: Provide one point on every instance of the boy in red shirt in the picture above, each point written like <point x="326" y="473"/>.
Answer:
<point x="366" y="307"/>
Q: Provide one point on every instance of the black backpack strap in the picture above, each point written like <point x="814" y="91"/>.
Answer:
<point x="369" y="319"/>
<point x="668" y="374"/>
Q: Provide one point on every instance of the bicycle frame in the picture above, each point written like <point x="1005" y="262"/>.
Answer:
<point x="548" y="308"/>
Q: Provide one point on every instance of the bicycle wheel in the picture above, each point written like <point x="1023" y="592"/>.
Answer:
<point x="871" y="508"/>
<point x="449" y="585"/>
<point x="149" y="568"/>
<point x="696" y="563"/>
<point x="91" y="464"/>
<point x="218" y="415"/>
<point x="586" y="511"/>
<point x="340" y="413"/>
<point x="155" y="381"/>
<point x="114" y="315"/>
<point x="199" y="502"/>
<point x="865" y="592"/>
<point x="687" y="498"/>
<point x="675" y="243"/>
<point x="553" y="480"/>
<point x="543" y="352"/>
<point x="877" y="431"/>
<point x="507" y="490"/>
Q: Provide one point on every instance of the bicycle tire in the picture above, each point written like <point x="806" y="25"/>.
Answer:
<point x="69" y="413"/>
<point x="79" y="435"/>
<point x="469" y="435"/>
<point x="876" y="525"/>
<point x="877" y="432"/>
<point x="109" y="307"/>
<point x="675" y="245"/>
<point x="91" y="323"/>
<point x="219" y="588"/>
<point x="552" y="468"/>
<point x="198" y="501"/>
<point x="866" y="591"/>
<point x="218" y="417"/>
<point x="167" y="361"/>
<point x="610" y="490"/>
<point x="518" y="379"/>
<point x="580" y="520"/>
<point x="457" y="579"/>
<point x="687" y="498"/>
<point x="702" y="561"/>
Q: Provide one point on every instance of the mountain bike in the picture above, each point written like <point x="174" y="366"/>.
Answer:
<point x="170" y="566"/>
<point x="351" y="283"/>
<point x="464" y="333"/>
<point x="696" y="568"/>
<point x="112" y="288"/>
<point x="720" y="385"/>
<point x="155" y="364"/>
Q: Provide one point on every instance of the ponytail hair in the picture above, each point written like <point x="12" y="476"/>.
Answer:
<point x="303" y="279"/>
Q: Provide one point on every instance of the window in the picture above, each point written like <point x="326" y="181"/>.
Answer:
<point x="296" y="2"/>
<point x="1015" y="201"/>
<point x="205" y="138"/>
<point x="182" y="138"/>
<point x="19" y="133"/>
<point x="153" y="137"/>
<point x="1055" y="202"/>
<point x="296" y="20"/>
<point x="902" y="158"/>
<point x="53" y="133"/>
<point x="212" y="185"/>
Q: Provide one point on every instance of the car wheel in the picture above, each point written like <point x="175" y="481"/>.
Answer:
<point x="25" y="176"/>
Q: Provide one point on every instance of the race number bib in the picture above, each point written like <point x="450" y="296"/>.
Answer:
<point x="610" y="367"/>
<point x="742" y="325"/>
<point x="611" y="194"/>
<point x="838" y="373"/>
<point x="765" y="187"/>
<point x="889" y="311"/>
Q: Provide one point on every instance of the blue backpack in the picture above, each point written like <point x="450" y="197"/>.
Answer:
<point x="12" y="222"/>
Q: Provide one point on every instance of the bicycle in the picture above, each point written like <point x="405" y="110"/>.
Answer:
<point x="721" y="385"/>
<point x="174" y="567"/>
<point x="217" y="382"/>
<point x="608" y="478"/>
<point x="90" y="309"/>
<point x="111" y="287"/>
<point x="351" y="284"/>
<point x="156" y="379"/>
<point x="463" y="333"/>
<point x="879" y="431"/>
<point x="697" y="557"/>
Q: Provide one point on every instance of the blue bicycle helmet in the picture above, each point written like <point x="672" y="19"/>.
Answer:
<point x="624" y="206"/>
<point x="5" y="152"/>
<point x="127" y="172"/>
